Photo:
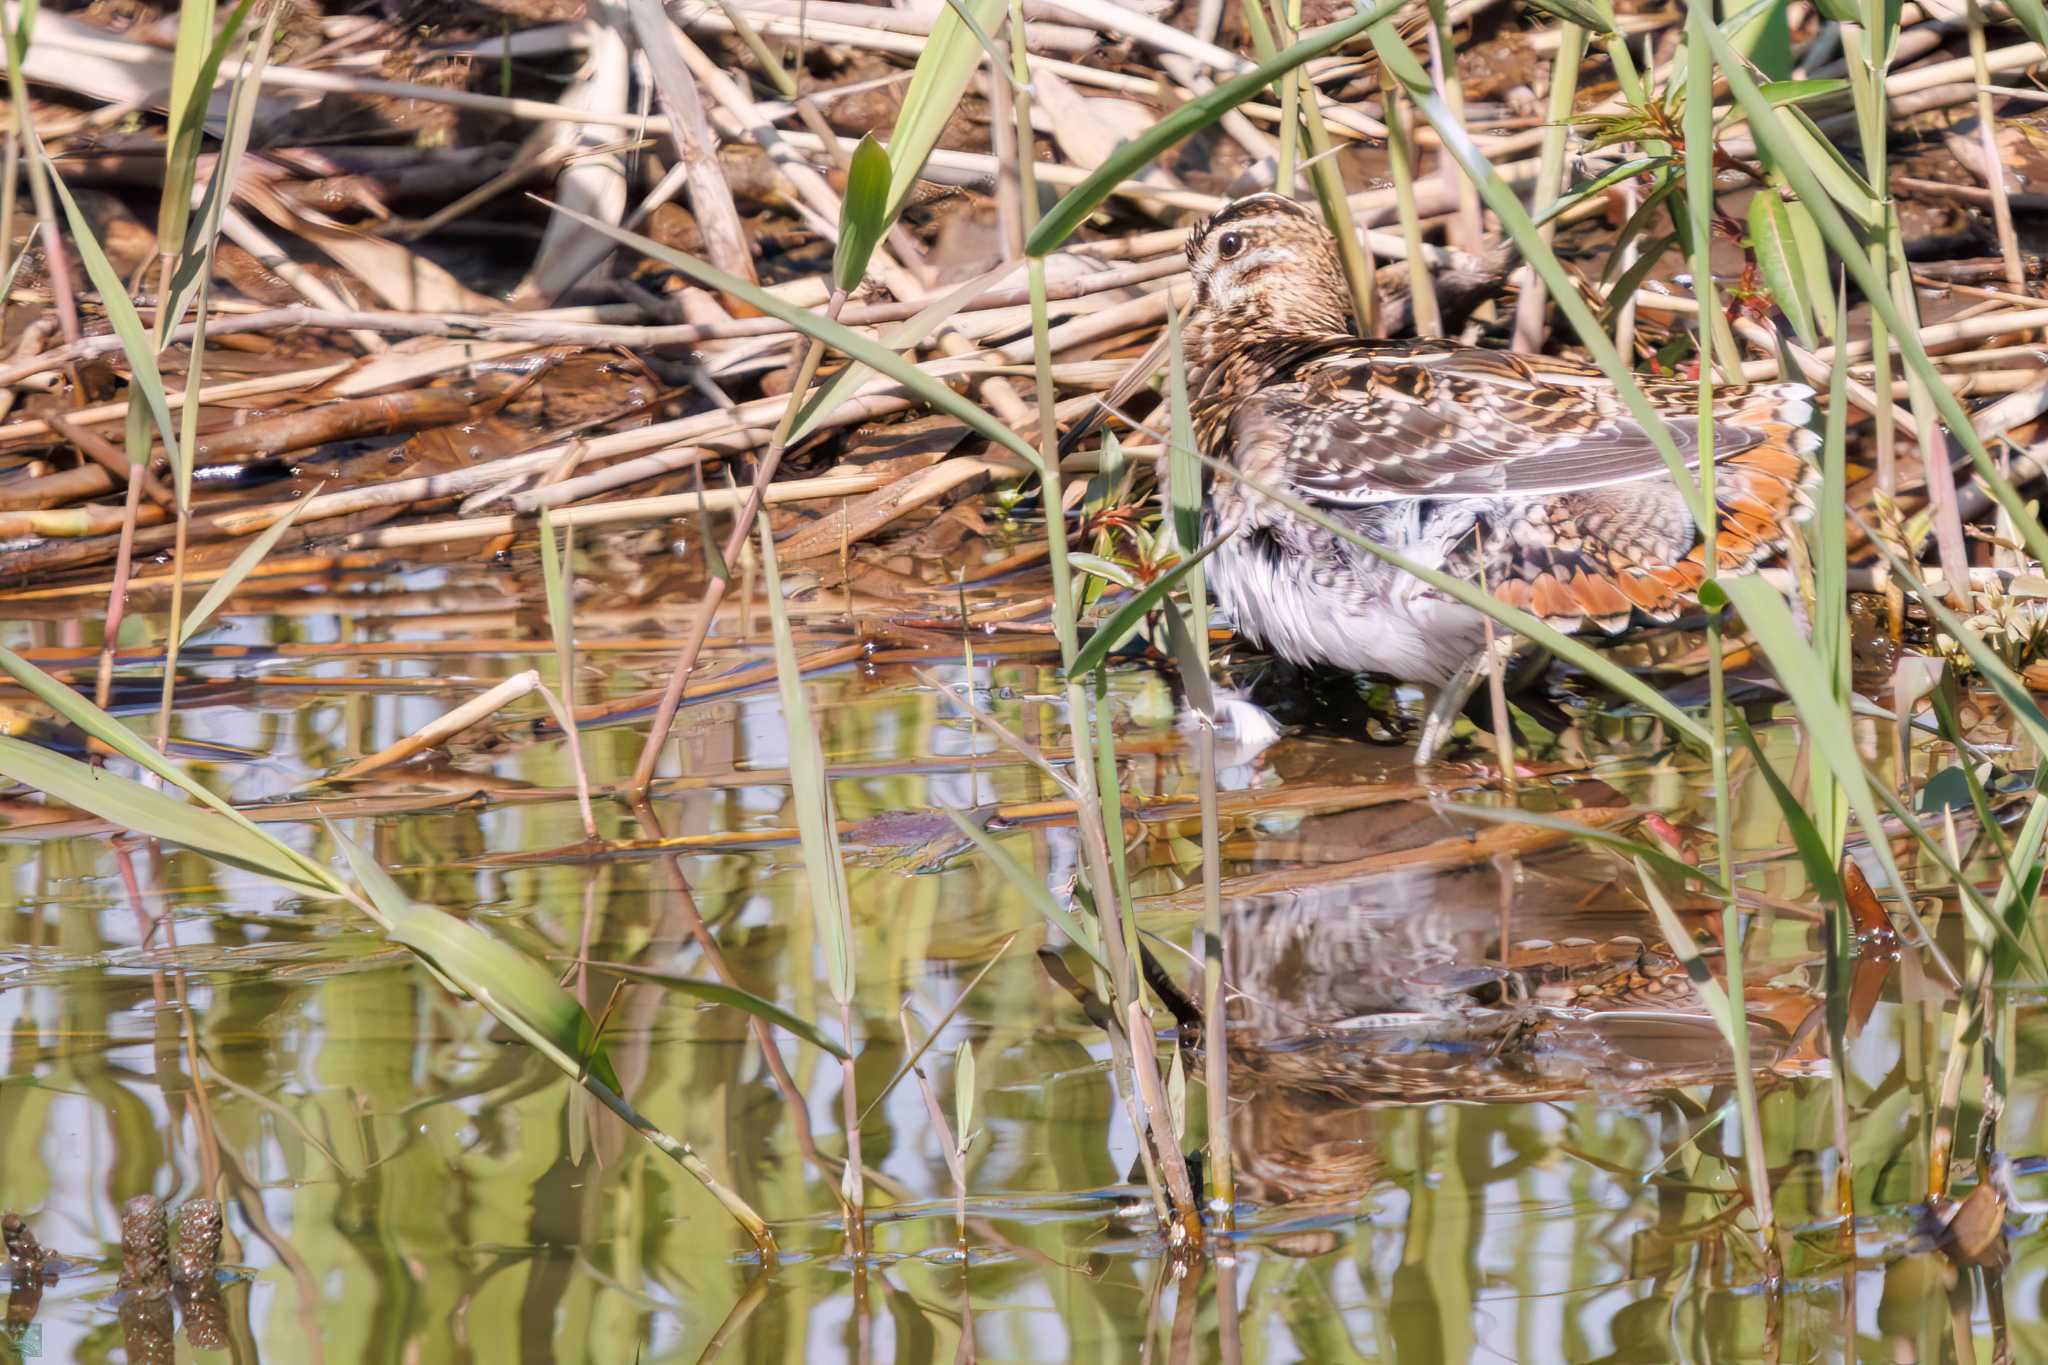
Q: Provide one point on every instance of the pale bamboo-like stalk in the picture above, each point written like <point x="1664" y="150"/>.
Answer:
<point x="1428" y="319"/>
<point x="1987" y="142"/>
<point x="1532" y="305"/>
<point x="1467" y="228"/>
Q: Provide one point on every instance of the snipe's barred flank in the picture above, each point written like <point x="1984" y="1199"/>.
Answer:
<point x="1522" y="471"/>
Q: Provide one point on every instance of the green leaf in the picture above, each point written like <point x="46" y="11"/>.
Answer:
<point x="1808" y="684"/>
<point x="1623" y="289"/>
<point x="1189" y="119"/>
<point x="1112" y="632"/>
<point x="496" y="975"/>
<point x="1783" y="93"/>
<point x="1777" y="255"/>
<point x="81" y="712"/>
<point x="847" y="378"/>
<point x="938" y="1026"/>
<point x="195" y="67"/>
<point x="554" y="578"/>
<point x="1733" y="1028"/>
<point x="135" y="342"/>
<point x="718" y="993"/>
<point x="2030" y="14"/>
<point x="129" y="804"/>
<point x="1103" y="568"/>
<point x="1627" y="170"/>
<point x="863" y="213"/>
<point x="244" y="564"/>
<point x="963" y="1092"/>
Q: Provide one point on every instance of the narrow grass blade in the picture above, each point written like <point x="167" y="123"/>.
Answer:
<point x="1799" y="167"/>
<point x="1777" y="254"/>
<point x="1735" y="1030"/>
<point x="847" y="378"/>
<point x="1807" y="683"/>
<point x="1190" y="118"/>
<point x="938" y="1026"/>
<point x="244" y="564"/>
<point x="933" y="95"/>
<point x="1585" y="190"/>
<point x="195" y="66"/>
<point x="842" y="339"/>
<point x="1400" y="64"/>
<point x="99" y="725"/>
<point x="963" y="1094"/>
<point x="1032" y="889"/>
<point x="718" y="993"/>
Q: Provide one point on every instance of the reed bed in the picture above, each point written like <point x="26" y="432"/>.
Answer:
<point x="784" y="287"/>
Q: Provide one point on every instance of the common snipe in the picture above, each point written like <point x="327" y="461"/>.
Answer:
<point x="1522" y="471"/>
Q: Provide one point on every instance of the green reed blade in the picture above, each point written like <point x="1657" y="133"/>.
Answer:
<point x="1777" y="254"/>
<point x="496" y="975"/>
<point x="113" y="291"/>
<point x="1586" y="189"/>
<point x="1400" y="64"/>
<point x="145" y="810"/>
<point x="817" y="822"/>
<point x="963" y="1095"/>
<point x="950" y="55"/>
<point x="1733" y="1028"/>
<point x="195" y="67"/>
<point x="1809" y="685"/>
<point x="80" y="711"/>
<point x="1797" y="161"/>
<point x="847" y="378"/>
<point x="938" y="1026"/>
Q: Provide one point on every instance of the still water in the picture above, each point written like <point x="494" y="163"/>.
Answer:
<point x="1475" y="1116"/>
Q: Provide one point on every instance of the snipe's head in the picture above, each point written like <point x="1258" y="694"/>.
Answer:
<point x="1264" y="267"/>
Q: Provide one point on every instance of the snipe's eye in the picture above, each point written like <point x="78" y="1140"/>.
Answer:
<point x="1229" y="244"/>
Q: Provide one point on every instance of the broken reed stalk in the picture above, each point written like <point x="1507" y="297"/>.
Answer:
<point x="721" y="577"/>
<point x="437" y="731"/>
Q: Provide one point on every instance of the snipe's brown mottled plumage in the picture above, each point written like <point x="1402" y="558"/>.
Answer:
<point x="1525" y="468"/>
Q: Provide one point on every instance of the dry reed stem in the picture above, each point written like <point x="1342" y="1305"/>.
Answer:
<point x="437" y="731"/>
